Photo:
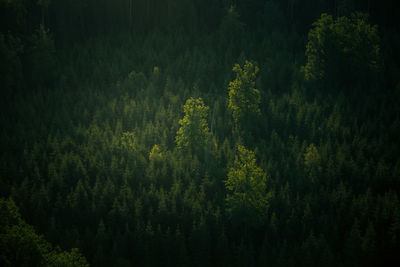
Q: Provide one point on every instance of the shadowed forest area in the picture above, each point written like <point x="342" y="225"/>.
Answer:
<point x="199" y="133"/>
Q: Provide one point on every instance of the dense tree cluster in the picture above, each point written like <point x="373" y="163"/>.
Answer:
<point x="21" y="246"/>
<point x="199" y="133"/>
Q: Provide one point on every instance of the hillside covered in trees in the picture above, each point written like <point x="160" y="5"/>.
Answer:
<point x="199" y="133"/>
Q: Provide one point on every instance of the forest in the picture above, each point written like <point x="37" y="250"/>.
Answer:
<point x="199" y="133"/>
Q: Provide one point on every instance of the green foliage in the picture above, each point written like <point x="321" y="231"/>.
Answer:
<point x="21" y="246"/>
<point x="343" y="51"/>
<point x="194" y="133"/>
<point x="9" y="213"/>
<point x="67" y="259"/>
<point x="155" y="153"/>
<point x="128" y="141"/>
<point x="97" y="159"/>
<point x="244" y="98"/>
<point x="247" y="200"/>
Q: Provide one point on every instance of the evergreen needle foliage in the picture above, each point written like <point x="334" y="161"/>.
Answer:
<point x="199" y="133"/>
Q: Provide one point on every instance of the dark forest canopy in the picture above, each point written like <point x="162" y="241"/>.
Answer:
<point x="199" y="133"/>
<point x="78" y="19"/>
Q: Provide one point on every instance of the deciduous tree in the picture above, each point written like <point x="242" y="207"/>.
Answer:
<point x="244" y="98"/>
<point x="194" y="132"/>
<point x="247" y="198"/>
<point x="343" y="52"/>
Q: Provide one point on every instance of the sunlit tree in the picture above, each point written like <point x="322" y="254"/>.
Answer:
<point x="244" y="98"/>
<point x="247" y="198"/>
<point x="194" y="132"/>
<point x="155" y="153"/>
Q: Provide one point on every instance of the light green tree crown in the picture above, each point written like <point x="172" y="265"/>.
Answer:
<point x="247" y="198"/>
<point x="244" y="98"/>
<point x="194" y="132"/>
